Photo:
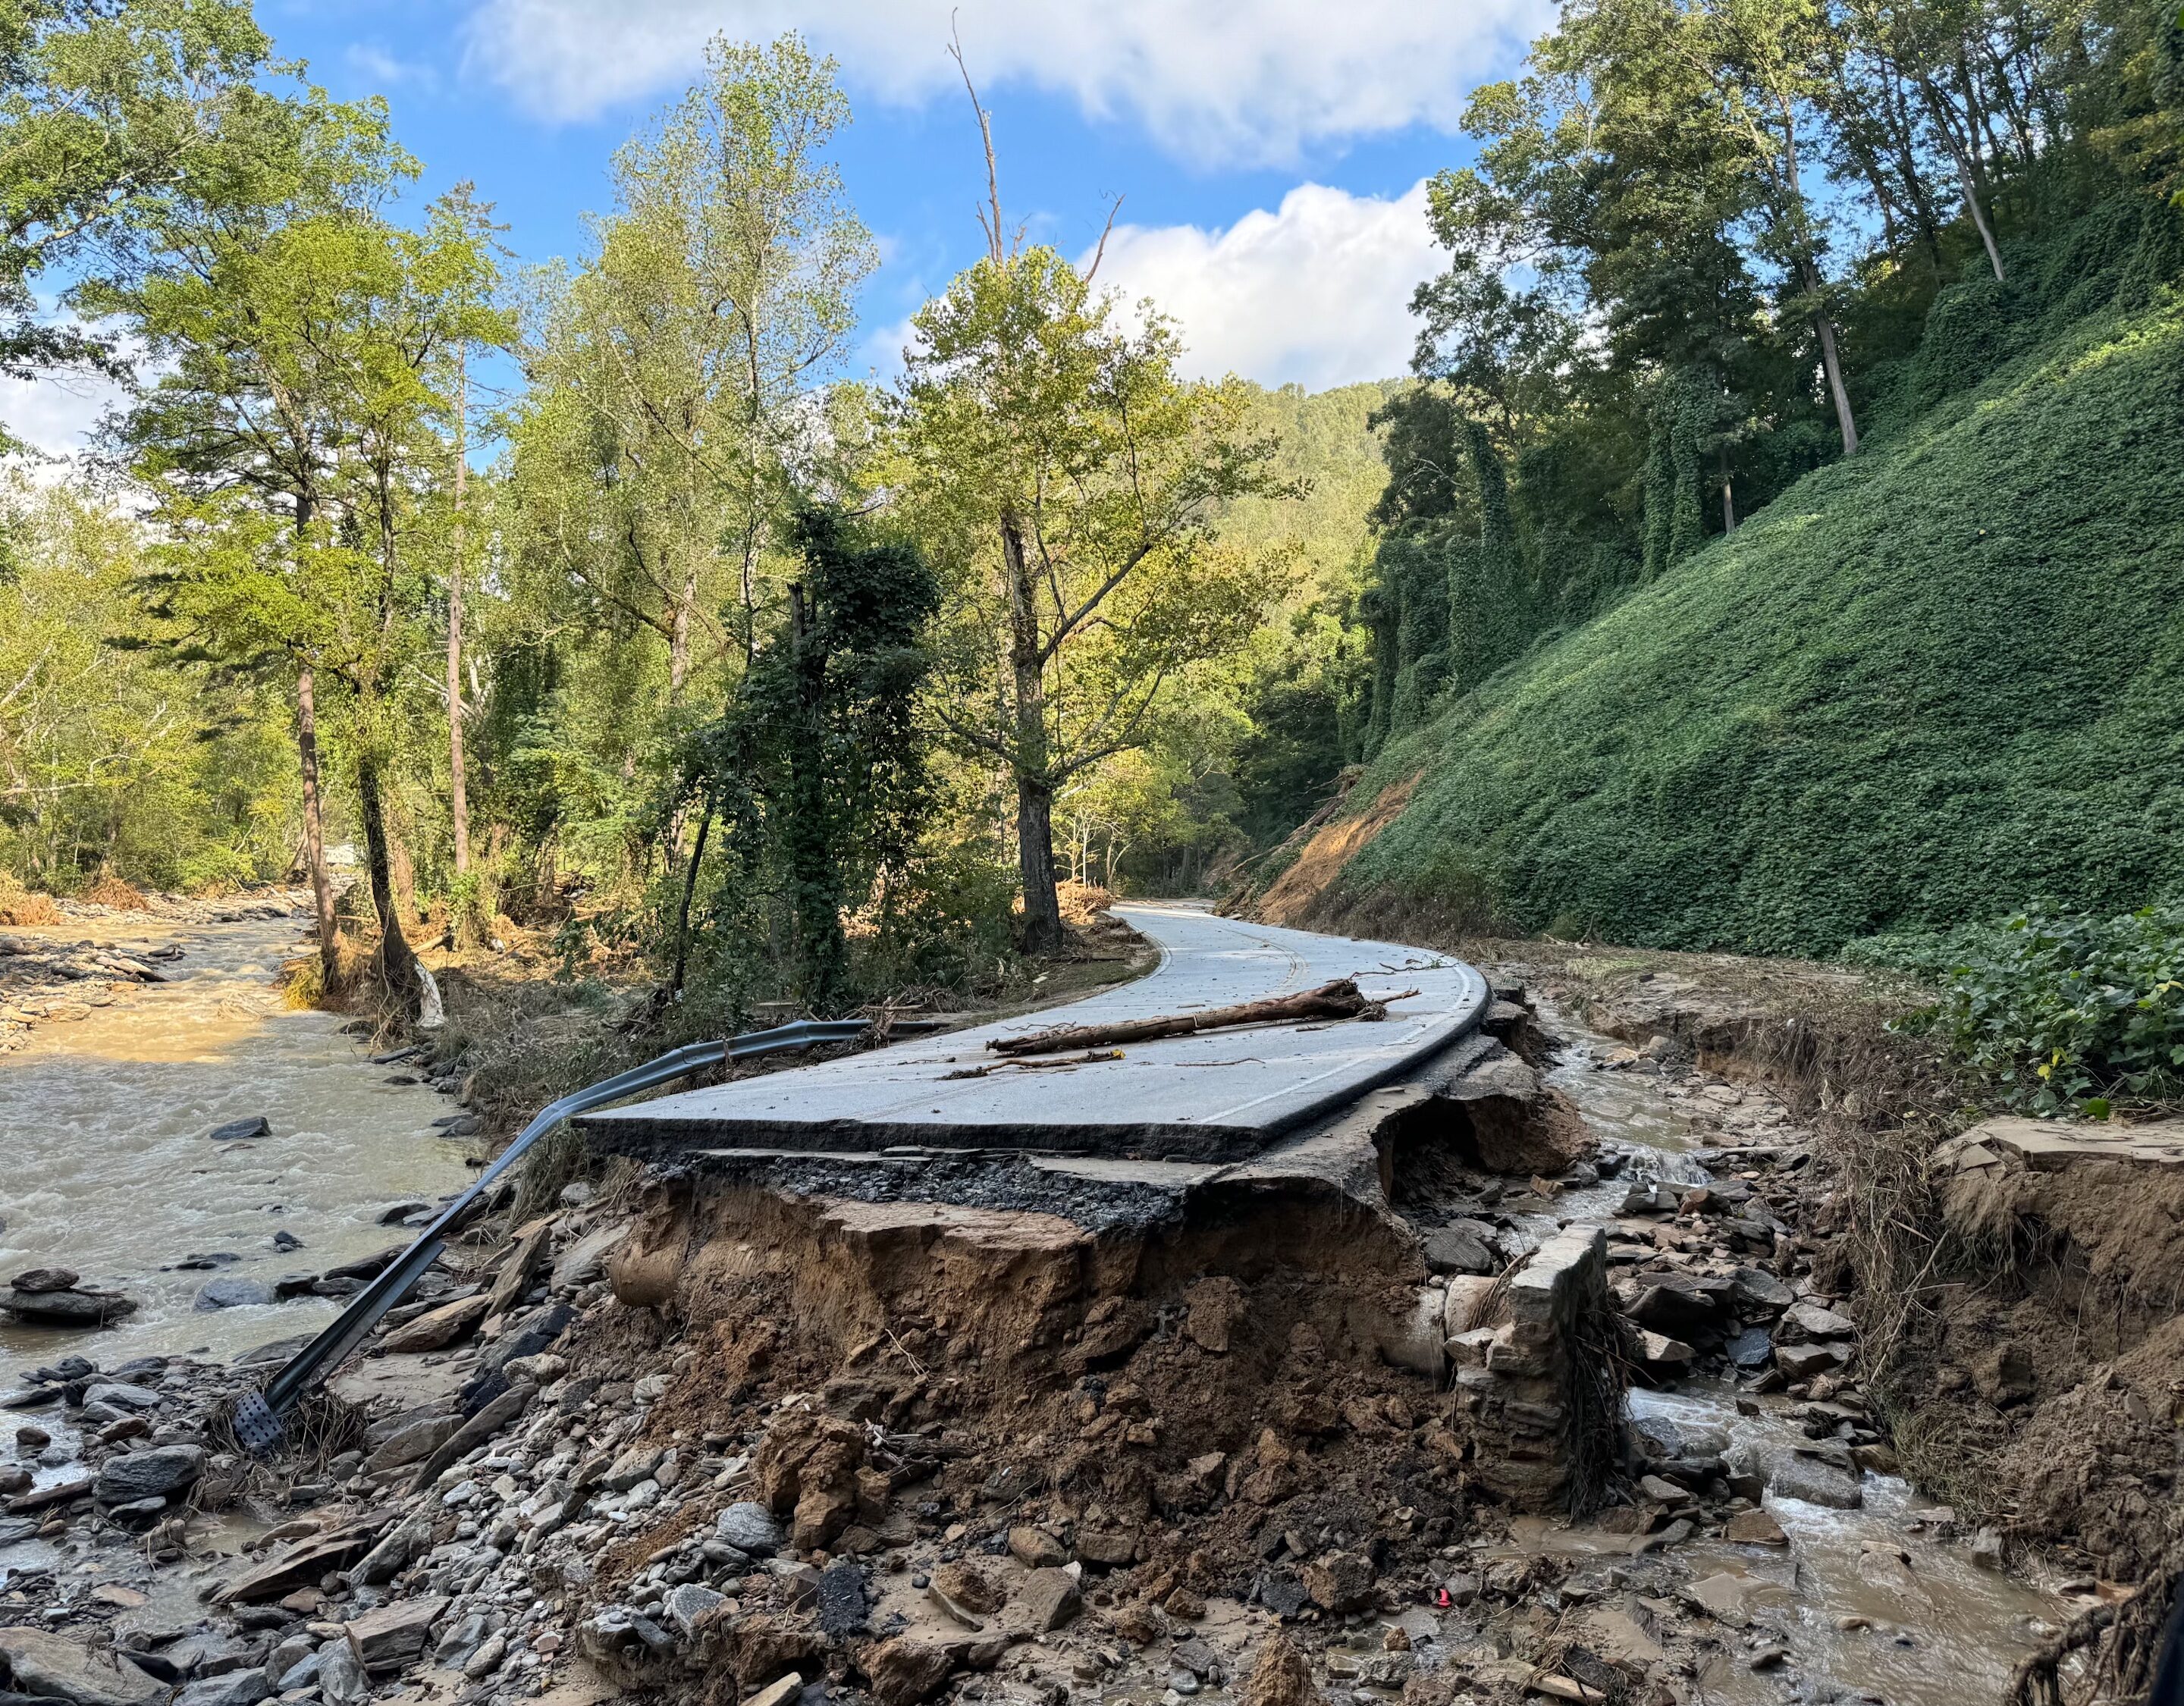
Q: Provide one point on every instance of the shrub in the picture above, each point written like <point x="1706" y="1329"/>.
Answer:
<point x="215" y="869"/>
<point x="2058" y="1012"/>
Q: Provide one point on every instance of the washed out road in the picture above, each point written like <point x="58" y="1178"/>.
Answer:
<point x="1216" y="1096"/>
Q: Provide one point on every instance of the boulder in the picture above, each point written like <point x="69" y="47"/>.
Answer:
<point x="437" y="1328"/>
<point x="1755" y="1288"/>
<point x="242" y="1687"/>
<point x="412" y="1442"/>
<point x="1461" y="1248"/>
<point x="1808" y="1321"/>
<point x="1339" y="1581"/>
<point x="685" y="1605"/>
<point x="51" y="1666"/>
<point x="42" y="1279"/>
<point x="520" y="1267"/>
<point x="163" y="1472"/>
<point x="1112" y="1548"/>
<point x="1461" y="1304"/>
<point x="779" y="1692"/>
<point x="750" y="1527"/>
<point x="461" y="1639"/>
<point x="66" y="1309"/>
<point x="121" y="1396"/>
<point x="1803" y="1362"/>
<point x="1217" y="1306"/>
<point x="1282" y="1677"/>
<point x="1754" y="1528"/>
<point x="342" y="1678"/>
<point x="808" y="1472"/>
<point x="1662" y="1355"/>
<point x="233" y="1293"/>
<point x="1036" y="1549"/>
<point x="390" y="1636"/>
<point x="1684" y="1306"/>
<point x="1820" y="1475"/>
<point x="236" y="1131"/>
<point x="586" y="1260"/>
<point x="907" y="1672"/>
<point x="634" y="1465"/>
<point x="1047" y="1600"/>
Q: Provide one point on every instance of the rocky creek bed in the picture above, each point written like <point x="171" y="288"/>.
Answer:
<point x="562" y="1471"/>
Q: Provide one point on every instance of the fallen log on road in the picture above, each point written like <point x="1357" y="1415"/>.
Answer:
<point x="1339" y="999"/>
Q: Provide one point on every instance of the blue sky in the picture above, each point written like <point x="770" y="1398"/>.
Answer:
<point x="1270" y="153"/>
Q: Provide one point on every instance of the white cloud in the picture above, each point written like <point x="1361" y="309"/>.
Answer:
<point x="1318" y="292"/>
<point x="1214" y="80"/>
<point x="375" y="65"/>
<point x="56" y="414"/>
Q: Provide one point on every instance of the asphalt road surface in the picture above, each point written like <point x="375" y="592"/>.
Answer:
<point x="1219" y="1095"/>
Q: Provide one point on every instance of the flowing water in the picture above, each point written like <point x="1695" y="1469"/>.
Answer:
<point x="108" y="1169"/>
<point x="1874" y="1604"/>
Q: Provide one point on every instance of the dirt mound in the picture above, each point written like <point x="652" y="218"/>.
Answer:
<point x="2092" y="1466"/>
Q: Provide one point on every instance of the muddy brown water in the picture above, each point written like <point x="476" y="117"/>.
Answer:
<point x="1873" y="1604"/>
<point x="109" y="1169"/>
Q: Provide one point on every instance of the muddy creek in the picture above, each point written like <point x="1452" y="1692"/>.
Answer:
<point x="109" y="1170"/>
<point x="1883" y="1601"/>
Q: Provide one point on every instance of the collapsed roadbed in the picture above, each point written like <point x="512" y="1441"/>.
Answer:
<point x="1346" y="1412"/>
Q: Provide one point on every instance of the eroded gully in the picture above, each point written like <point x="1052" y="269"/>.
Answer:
<point x="1881" y="1602"/>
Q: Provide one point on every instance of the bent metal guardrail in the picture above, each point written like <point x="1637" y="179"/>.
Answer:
<point x="259" y="1419"/>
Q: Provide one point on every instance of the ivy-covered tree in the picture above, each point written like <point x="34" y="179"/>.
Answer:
<point x="815" y="771"/>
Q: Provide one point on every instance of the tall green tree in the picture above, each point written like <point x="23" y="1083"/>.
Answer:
<point x="670" y="374"/>
<point x="1069" y="482"/>
<point x="114" y="118"/>
<point x="310" y="350"/>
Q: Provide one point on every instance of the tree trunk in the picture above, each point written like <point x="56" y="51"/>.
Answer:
<point x="458" y="804"/>
<point x="689" y="894"/>
<point x="1042" y="920"/>
<point x="678" y="634"/>
<point x="1978" y="214"/>
<point x="1832" y="363"/>
<point x="314" y="840"/>
<point x="814" y="874"/>
<point x="396" y="965"/>
<point x="401" y="869"/>
<point x="546" y="885"/>
<point x="1728" y="490"/>
<point x="1042" y="907"/>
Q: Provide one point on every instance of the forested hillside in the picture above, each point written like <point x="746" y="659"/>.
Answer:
<point x="1925" y="685"/>
<point x="1773" y="558"/>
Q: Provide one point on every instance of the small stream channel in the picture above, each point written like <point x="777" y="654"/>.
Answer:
<point x="1874" y="1604"/>
<point x="109" y="1170"/>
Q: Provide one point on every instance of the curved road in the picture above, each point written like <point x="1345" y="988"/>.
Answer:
<point x="1217" y="1096"/>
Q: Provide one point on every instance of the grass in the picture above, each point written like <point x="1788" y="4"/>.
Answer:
<point x="1925" y="685"/>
